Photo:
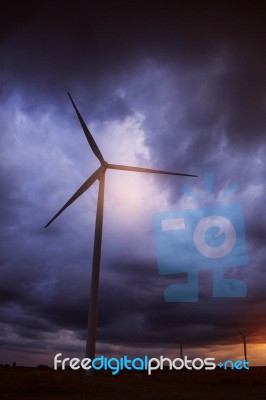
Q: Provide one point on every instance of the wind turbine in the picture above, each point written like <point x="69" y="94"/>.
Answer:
<point x="180" y="349"/>
<point x="100" y="175"/>
<point x="244" y="341"/>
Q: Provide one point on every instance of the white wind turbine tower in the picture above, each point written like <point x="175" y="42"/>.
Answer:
<point x="100" y="175"/>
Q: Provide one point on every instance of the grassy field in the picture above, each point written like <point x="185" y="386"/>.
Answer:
<point x="34" y="383"/>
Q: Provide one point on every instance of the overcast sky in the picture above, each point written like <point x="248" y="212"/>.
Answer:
<point x="177" y="88"/>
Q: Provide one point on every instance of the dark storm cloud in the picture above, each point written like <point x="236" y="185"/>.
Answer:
<point x="196" y="73"/>
<point x="58" y="45"/>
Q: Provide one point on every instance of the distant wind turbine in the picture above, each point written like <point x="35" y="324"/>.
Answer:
<point x="244" y="340"/>
<point x="100" y="175"/>
<point x="180" y="349"/>
<point x="180" y="344"/>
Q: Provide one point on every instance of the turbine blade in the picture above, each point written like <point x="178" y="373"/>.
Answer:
<point x="88" y="135"/>
<point x="148" y="170"/>
<point x="240" y="333"/>
<point x="251" y="333"/>
<point x="78" y="193"/>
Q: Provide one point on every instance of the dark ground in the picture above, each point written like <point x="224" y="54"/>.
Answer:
<point x="42" y="383"/>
